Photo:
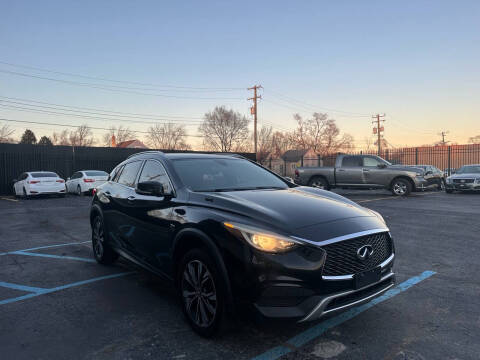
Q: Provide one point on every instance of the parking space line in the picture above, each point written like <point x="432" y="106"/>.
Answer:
<point x="392" y="197"/>
<point x="62" y="287"/>
<point x="317" y="330"/>
<point x="21" y="287"/>
<point x="8" y="199"/>
<point x="52" y="256"/>
<point x="46" y="247"/>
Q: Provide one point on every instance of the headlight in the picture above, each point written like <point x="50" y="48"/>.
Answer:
<point x="477" y="181"/>
<point x="448" y="181"/>
<point x="262" y="239"/>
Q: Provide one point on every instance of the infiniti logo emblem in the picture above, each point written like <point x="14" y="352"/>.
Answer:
<point x="364" y="252"/>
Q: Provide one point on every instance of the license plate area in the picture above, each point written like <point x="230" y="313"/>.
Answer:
<point x="367" y="277"/>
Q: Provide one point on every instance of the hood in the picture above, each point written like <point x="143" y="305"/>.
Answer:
<point x="408" y="168"/>
<point x="465" y="176"/>
<point x="289" y="209"/>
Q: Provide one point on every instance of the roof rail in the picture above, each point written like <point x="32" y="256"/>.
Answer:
<point x="147" y="152"/>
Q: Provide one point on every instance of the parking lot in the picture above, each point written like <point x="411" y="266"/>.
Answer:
<point x="57" y="302"/>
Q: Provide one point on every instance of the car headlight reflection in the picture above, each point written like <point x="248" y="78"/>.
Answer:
<point x="261" y="239"/>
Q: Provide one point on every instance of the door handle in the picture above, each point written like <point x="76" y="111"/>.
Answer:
<point x="341" y="169"/>
<point x="131" y="198"/>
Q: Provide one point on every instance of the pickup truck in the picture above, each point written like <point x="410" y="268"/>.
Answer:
<point x="364" y="172"/>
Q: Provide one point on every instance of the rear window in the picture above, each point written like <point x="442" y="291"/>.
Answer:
<point x="96" y="173"/>
<point x="351" y="161"/>
<point x="43" y="174"/>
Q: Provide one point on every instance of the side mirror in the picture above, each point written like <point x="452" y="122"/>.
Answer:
<point x="152" y="188"/>
<point x="381" y="166"/>
<point x="429" y="172"/>
<point x="288" y="179"/>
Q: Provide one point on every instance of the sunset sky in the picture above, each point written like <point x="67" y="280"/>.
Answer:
<point x="416" y="61"/>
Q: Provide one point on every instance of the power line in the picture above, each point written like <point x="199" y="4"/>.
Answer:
<point x="109" y="87"/>
<point x="123" y="114"/>
<point x="26" y="109"/>
<point x="121" y="81"/>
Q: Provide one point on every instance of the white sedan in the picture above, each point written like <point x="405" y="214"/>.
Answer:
<point x="85" y="181"/>
<point x="35" y="183"/>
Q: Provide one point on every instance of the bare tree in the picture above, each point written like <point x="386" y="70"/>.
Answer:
<point x="281" y="142"/>
<point x="121" y="134"/>
<point x="224" y="130"/>
<point x="320" y="134"/>
<point x="5" y="134"/>
<point x="61" y="138"/>
<point x="264" y="143"/>
<point x="474" y="139"/>
<point x="82" y="136"/>
<point x="168" y="137"/>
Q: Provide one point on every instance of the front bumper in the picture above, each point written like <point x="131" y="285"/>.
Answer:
<point x="463" y="186"/>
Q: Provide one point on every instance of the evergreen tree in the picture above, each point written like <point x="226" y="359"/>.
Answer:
<point x="28" y="137"/>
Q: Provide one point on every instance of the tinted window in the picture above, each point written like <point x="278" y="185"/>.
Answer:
<point x="129" y="173"/>
<point x="96" y="173"/>
<point x="77" y="175"/>
<point x="154" y="171"/>
<point x="369" y="161"/>
<point x="115" y="173"/>
<point x="351" y="161"/>
<point x="224" y="175"/>
<point x="43" y="174"/>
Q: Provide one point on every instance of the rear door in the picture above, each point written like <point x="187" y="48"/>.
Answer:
<point x="350" y="172"/>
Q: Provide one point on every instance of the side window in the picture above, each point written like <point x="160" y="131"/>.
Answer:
<point x="77" y="175"/>
<point x="370" y="162"/>
<point x="154" y="171"/>
<point x="349" y="161"/>
<point x="129" y="173"/>
<point x="116" y="173"/>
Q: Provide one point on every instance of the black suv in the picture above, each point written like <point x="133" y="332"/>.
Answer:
<point x="227" y="231"/>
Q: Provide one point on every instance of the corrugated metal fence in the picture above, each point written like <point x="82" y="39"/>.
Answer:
<point x="64" y="160"/>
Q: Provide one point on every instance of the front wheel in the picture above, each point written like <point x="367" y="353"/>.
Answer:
<point x="448" y="191"/>
<point x="202" y="292"/>
<point x="401" y="187"/>
<point x="102" y="250"/>
<point x="319" y="183"/>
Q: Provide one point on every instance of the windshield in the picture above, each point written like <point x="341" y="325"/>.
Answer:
<point x="44" y="174"/>
<point x="96" y="173"/>
<point x="469" y="169"/>
<point x="225" y="175"/>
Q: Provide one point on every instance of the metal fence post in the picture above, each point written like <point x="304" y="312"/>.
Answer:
<point x="416" y="156"/>
<point x="319" y="160"/>
<point x="449" y="160"/>
<point x="284" y="167"/>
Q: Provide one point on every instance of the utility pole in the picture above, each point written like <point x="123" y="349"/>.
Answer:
<point x="253" y="111"/>
<point x="443" y="134"/>
<point x="378" y="130"/>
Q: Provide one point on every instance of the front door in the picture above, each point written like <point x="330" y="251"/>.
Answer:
<point x="373" y="174"/>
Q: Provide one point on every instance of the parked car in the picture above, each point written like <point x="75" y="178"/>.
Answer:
<point x="363" y="172"/>
<point x="449" y="171"/>
<point x="36" y="183"/>
<point x="433" y="175"/>
<point x="227" y="231"/>
<point x="85" y="181"/>
<point x="467" y="178"/>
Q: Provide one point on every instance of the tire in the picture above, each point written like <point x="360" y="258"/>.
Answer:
<point x="102" y="251"/>
<point x="202" y="292"/>
<point x="25" y="196"/>
<point x="319" y="183"/>
<point x="440" y="185"/>
<point x="449" y="191"/>
<point x="79" y="191"/>
<point x="401" y="187"/>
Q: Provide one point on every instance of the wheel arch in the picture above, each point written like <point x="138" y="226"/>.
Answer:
<point x="403" y="177"/>
<point x="190" y="238"/>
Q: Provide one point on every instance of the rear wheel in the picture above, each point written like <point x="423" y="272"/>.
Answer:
<point x="319" y="183"/>
<point x="102" y="251"/>
<point x="202" y="292"/>
<point x="401" y="187"/>
<point x="25" y="196"/>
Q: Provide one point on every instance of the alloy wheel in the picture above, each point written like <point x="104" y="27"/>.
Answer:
<point x="98" y="238"/>
<point x="399" y="188"/>
<point x="199" y="293"/>
<point x="318" y="184"/>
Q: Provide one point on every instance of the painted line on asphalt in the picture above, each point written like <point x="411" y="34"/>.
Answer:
<point x="394" y="198"/>
<point x="46" y="247"/>
<point x="41" y="291"/>
<point x="52" y="256"/>
<point x="314" y="332"/>
<point x="8" y="199"/>
<point x="21" y="287"/>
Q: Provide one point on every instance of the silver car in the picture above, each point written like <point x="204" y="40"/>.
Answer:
<point x="467" y="178"/>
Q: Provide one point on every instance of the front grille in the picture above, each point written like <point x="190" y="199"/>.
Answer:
<point x="463" y="181"/>
<point x="342" y="256"/>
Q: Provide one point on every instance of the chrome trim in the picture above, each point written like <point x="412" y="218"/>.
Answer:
<point x="342" y="238"/>
<point x="318" y="310"/>
<point x="350" y="276"/>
